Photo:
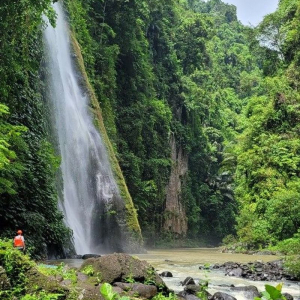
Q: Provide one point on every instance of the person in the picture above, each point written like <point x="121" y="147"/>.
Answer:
<point x="19" y="241"/>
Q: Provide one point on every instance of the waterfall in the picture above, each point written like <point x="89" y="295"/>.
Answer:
<point x="89" y="188"/>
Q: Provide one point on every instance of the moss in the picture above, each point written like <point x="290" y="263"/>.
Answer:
<point x="131" y="214"/>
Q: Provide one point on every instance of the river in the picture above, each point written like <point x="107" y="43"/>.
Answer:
<point x="185" y="262"/>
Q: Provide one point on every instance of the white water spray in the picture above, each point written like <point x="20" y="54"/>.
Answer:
<point x="88" y="183"/>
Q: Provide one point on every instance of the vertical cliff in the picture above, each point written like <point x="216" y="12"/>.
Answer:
<point x="175" y="219"/>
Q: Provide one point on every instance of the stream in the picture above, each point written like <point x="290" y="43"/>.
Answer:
<point x="185" y="262"/>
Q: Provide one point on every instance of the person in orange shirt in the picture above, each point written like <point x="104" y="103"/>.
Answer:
<point x="19" y="241"/>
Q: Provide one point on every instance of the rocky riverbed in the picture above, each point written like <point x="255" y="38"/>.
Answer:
<point x="136" y="278"/>
<point x="257" y="270"/>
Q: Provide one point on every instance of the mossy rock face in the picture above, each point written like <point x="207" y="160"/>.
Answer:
<point x="4" y="281"/>
<point x="37" y="281"/>
<point x="125" y="219"/>
<point x="120" y="267"/>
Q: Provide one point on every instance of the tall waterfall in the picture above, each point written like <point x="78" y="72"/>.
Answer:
<point x="89" y="187"/>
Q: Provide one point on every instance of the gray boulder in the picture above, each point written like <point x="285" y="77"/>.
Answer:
<point x="187" y="281"/>
<point x="86" y="256"/>
<point x="222" y="296"/>
<point x="235" y="272"/>
<point x="192" y="289"/>
<point x="249" y="292"/>
<point x="120" y="266"/>
<point x="137" y="289"/>
<point x="288" y="296"/>
<point x="166" y="274"/>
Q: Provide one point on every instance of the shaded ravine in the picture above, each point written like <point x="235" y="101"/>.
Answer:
<point x="90" y="192"/>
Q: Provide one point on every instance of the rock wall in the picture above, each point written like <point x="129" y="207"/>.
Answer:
<point x="175" y="220"/>
<point x="126" y="215"/>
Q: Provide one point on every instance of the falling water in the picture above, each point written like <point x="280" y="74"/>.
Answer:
<point x="88" y="184"/>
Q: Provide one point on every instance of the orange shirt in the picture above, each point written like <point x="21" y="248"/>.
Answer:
<point x="19" y="241"/>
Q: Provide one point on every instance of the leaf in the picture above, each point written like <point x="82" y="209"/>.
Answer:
<point x="266" y="295"/>
<point x="273" y="292"/>
<point x="279" y="286"/>
<point x="107" y="292"/>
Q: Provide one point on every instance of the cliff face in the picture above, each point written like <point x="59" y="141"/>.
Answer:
<point x="125" y="217"/>
<point x="175" y="214"/>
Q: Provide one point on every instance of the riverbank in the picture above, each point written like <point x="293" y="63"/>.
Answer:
<point x="186" y="262"/>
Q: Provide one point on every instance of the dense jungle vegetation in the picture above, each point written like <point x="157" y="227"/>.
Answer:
<point x="186" y="92"/>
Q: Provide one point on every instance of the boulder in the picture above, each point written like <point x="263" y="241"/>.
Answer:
<point x="86" y="256"/>
<point x="271" y="271"/>
<point x="166" y="274"/>
<point x="249" y="292"/>
<point x="191" y="297"/>
<point x="82" y="277"/>
<point x="120" y="266"/>
<point x="288" y="296"/>
<point x="38" y="281"/>
<point x="137" y="289"/>
<point x="187" y="281"/>
<point x="222" y="296"/>
<point x="192" y="289"/>
<point x="235" y="272"/>
<point x="187" y="296"/>
<point x="90" y="293"/>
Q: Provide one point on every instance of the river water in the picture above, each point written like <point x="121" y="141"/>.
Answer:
<point x="185" y="262"/>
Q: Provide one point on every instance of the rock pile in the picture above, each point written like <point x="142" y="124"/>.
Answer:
<point x="258" y="270"/>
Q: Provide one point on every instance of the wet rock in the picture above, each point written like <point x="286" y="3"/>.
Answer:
<point x="77" y="256"/>
<point x="216" y="266"/>
<point x="271" y="271"/>
<point x="249" y="292"/>
<point x="226" y="285"/>
<point x="166" y="274"/>
<point x="288" y="296"/>
<point x="86" y="256"/>
<point x="235" y="272"/>
<point x="137" y="289"/>
<point x="192" y="289"/>
<point x="187" y="281"/>
<point x="222" y="296"/>
<point x="266" y="252"/>
<point x="191" y="297"/>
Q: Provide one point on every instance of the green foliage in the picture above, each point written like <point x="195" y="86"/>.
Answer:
<point x="271" y="293"/>
<point x="10" y="166"/>
<point x="59" y="271"/>
<point x="150" y="276"/>
<point x="108" y="294"/>
<point x="186" y="71"/>
<point x="27" y="160"/>
<point x="88" y="270"/>
<point x="18" y="267"/>
<point x="43" y="296"/>
<point x="15" y="264"/>
<point x="292" y="265"/>
<point x="160" y="296"/>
